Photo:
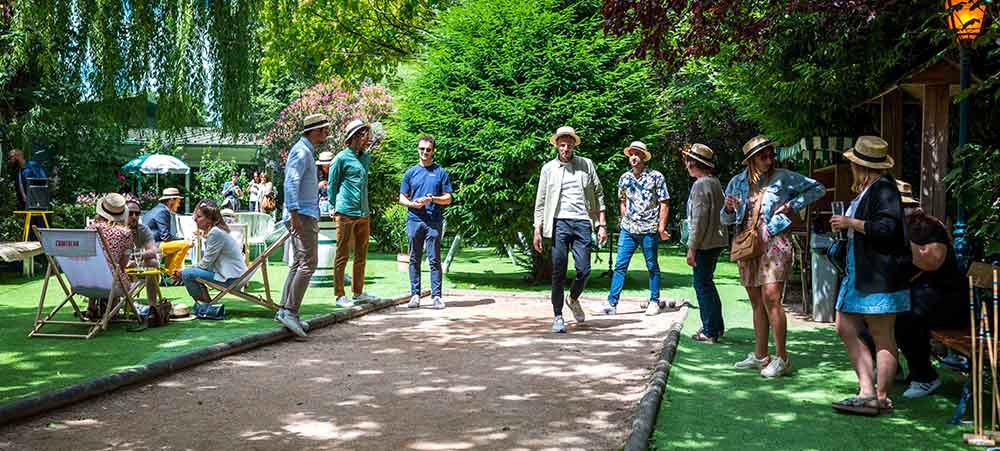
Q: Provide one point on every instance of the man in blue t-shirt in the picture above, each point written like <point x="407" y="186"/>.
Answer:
<point x="425" y="191"/>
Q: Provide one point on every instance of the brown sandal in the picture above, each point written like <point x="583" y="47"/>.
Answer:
<point x="857" y="405"/>
<point x="700" y="336"/>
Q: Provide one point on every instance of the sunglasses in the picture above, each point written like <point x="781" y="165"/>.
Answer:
<point x="425" y="149"/>
<point x="133" y="213"/>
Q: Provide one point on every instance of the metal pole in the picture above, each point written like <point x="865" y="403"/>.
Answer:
<point x="962" y="248"/>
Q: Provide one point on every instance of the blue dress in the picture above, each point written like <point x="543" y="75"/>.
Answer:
<point x="850" y="300"/>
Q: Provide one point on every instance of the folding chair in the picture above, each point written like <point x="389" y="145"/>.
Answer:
<point x="80" y="256"/>
<point x="238" y="288"/>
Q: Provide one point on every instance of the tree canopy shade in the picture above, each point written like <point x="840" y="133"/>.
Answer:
<point x="499" y="78"/>
<point x="188" y="55"/>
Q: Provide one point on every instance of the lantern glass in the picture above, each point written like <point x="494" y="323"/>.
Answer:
<point x="966" y="18"/>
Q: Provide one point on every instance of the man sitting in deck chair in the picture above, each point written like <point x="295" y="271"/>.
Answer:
<point x="222" y="257"/>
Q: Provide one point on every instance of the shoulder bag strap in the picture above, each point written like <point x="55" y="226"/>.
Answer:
<point x="759" y="202"/>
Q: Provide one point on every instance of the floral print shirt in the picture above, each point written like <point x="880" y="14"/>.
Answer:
<point x="642" y="196"/>
<point x="119" y="239"/>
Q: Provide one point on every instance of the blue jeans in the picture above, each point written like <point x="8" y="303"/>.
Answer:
<point x="627" y="244"/>
<point x="569" y="234"/>
<point x="197" y="290"/>
<point x="709" y="303"/>
<point x="423" y="235"/>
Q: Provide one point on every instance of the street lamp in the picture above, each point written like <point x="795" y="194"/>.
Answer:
<point x="965" y="18"/>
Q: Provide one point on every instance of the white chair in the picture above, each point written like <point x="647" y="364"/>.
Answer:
<point x="80" y="256"/>
<point x="258" y="227"/>
<point x="186" y="228"/>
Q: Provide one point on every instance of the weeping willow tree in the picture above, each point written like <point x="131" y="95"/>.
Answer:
<point x="194" y="59"/>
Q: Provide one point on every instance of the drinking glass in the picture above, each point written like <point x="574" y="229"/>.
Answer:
<point x="838" y="210"/>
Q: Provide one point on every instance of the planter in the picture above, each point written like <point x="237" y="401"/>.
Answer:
<point x="403" y="262"/>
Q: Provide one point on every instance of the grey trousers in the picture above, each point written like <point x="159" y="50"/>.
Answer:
<point x="303" y="265"/>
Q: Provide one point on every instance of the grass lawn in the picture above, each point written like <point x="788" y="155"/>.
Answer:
<point x="711" y="405"/>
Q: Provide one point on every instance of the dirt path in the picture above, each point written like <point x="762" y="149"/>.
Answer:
<point x="482" y="374"/>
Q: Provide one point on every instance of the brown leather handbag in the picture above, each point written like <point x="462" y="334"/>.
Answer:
<point x="159" y="314"/>
<point x="748" y="243"/>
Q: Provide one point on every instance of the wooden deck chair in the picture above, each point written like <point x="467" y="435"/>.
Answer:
<point x="80" y="256"/>
<point x="238" y="288"/>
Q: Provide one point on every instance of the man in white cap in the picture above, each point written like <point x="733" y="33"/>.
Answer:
<point x="644" y="204"/>
<point x="348" y="190"/>
<point x="569" y="204"/>
<point x="301" y="190"/>
<point x="160" y="220"/>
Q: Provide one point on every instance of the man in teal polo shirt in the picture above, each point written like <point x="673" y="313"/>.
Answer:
<point x="348" y="190"/>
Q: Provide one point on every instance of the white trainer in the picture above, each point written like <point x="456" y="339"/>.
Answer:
<point x="291" y="322"/>
<point x="653" y="309"/>
<point x="921" y="389"/>
<point x="643" y="304"/>
<point x="558" y="325"/>
<point x="752" y="362"/>
<point x="344" y="302"/>
<point x="414" y="301"/>
<point x="608" y="309"/>
<point x="578" y="314"/>
<point x="364" y="298"/>
<point x="777" y="367"/>
<point x="438" y="303"/>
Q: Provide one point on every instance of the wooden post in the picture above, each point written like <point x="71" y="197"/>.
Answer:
<point x="934" y="153"/>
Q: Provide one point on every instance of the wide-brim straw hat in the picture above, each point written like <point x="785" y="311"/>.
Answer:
<point x="564" y="131"/>
<point x="171" y="193"/>
<point x="641" y="147"/>
<point x="755" y="145"/>
<point x="354" y="127"/>
<point x="325" y="157"/>
<point x="871" y="152"/>
<point x="112" y="207"/>
<point x="702" y="154"/>
<point x="314" y="121"/>
<point x="906" y="193"/>
<point x="181" y="312"/>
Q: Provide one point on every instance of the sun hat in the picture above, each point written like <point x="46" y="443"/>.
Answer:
<point x="701" y="153"/>
<point x="171" y="193"/>
<point x="112" y="207"/>
<point x="353" y="127"/>
<point x="565" y="131"/>
<point x="906" y="193"/>
<point x="180" y="312"/>
<point x="325" y="157"/>
<point x="871" y="152"/>
<point x="314" y="121"/>
<point x="641" y="147"/>
<point x="754" y="145"/>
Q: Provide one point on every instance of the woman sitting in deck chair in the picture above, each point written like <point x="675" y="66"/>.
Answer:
<point x="222" y="258"/>
<point x="110" y="220"/>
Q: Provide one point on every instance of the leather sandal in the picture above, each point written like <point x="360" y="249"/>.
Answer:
<point x="700" y="336"/>
<point x="857" y="405"/>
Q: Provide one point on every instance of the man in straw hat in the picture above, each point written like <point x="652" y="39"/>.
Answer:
<point x="706" y="239"/>
<point x="301" y="215"/>
<point x="569" y="204"/>
<point x="644" y="203"/>
<point x="160" y="221"/>
<point x="348" y="190"/>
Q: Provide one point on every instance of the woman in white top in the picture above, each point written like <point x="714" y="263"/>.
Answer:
<point x="254" y="191"/>
<point x="222" y="259"/>
<point x="266" y="190"/>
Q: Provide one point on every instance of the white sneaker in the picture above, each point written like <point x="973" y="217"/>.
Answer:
<point x="438" y="304"/>
<point x="578" y="314"/>
<point x="304" y="325"/>
<point x="364" y="298"/>
<point x="644" y="304"/>
<point x="344" y="302"/>
<point x="752" y="362"/>
<point x="776" y="368"/>
<point x="653" y="309"/>
<point x="608" y="309"/>
<point x="291" y="322"/>
<point x="414" y="301"/>
<point x="921" y="389"/>
<point x="558" y="326"/>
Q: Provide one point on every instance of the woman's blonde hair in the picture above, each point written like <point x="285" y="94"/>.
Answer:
<point x="862" y="176"/>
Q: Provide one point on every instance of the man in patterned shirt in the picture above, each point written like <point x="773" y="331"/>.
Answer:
<point x="644" y="204"/>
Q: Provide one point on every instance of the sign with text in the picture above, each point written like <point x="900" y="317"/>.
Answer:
<point x="69" y="243"/>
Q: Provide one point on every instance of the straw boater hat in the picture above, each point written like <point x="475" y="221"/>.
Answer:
<point x="756" y="144"/>
<point x="906" y="193"/>
<point x="325" y="157"/>
<point x="112" y="207"/>
<point x="353" y="127"/>
<point x="227" y="213"/>
<point x="314" y="121"/>
<point x="171" y="193"/>
<point x="871" y="152"/>
<point x="702" y="154"/>
<point x="641" y="147"/>
<point x="565" y="131"/>
<point x="180" y="312"/>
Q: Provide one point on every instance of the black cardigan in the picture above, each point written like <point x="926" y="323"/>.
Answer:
<point x="882" y="252"/>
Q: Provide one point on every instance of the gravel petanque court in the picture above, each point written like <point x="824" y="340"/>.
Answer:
<point x="485" y="373"/>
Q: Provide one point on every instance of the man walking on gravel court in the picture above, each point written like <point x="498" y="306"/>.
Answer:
<point x="569" y="204"/>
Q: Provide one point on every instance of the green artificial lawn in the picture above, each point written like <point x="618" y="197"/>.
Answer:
<point x="711" y="405"/>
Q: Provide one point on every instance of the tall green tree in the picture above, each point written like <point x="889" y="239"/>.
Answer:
<point x="500" y="76"/>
